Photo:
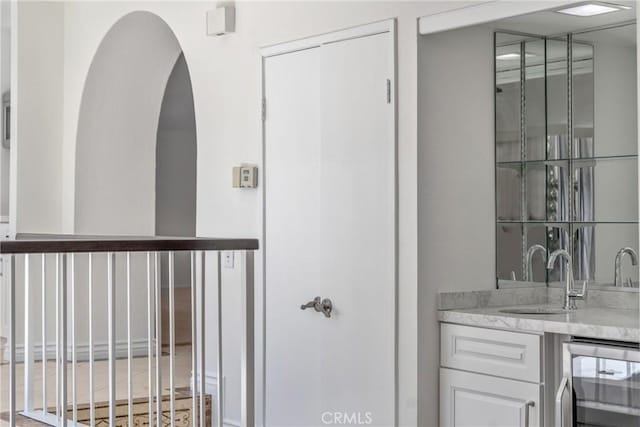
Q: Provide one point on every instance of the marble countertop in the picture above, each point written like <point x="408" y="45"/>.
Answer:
<point x="592" y="322"/>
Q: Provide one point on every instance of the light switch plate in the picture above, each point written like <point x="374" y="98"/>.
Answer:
<point x="245" y="176"/>
<point x="227" y="259"/>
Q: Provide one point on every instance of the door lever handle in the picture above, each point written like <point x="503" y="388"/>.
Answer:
<point x="320" y="305"/>
<point x="311" y="304"/>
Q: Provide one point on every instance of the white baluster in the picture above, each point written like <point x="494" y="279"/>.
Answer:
<point x="111" y="301"/>
<point x="92" y="403"/>
<point x="247" y="404"/>
<point x="219" y="382"/>
<point x="172" y="339"/>
<point x="63" y="343"/>
<point x="28" y="339"/>
<point x="150" y="313"/>
<point x="57" y="336"/>
<point x="12" y="344"/>
<point x="44" y="333"/>
<point x="158" y="283"/>
<point x="194" y="345"/>
<point x="202" y="338"/>
<point x="74" y="353"/>
<point x="129" y="351"/>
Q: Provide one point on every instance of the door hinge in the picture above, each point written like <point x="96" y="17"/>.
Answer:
<point x="264" y="109"/>
<point x="388" y="91"/>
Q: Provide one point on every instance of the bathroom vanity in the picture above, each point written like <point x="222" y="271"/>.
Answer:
<point x="502" y="366"/>
<point x="558" y="343"/>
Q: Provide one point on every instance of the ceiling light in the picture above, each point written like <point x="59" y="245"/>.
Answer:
<point x="591" y="9"/>
<point x="513" y="56"/>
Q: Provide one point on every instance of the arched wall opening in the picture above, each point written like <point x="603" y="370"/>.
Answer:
<point x="136" y="132"/>
<point x="135" y="170"/>
<point x="175" y="213"/>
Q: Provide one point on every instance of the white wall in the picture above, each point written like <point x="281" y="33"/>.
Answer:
<point x="37" y="85"/>
<point x="5" y="86"/>
<point x="38" y="117"/>
<point x="118" y="127"/>
<point x="226" y="77"/>
<point x="456" y="211"/>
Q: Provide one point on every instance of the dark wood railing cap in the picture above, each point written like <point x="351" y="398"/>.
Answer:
<point x="42" y="243"/>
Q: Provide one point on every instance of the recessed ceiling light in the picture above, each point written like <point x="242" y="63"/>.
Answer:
<point x="592" y="9"/>
<point x="513" y="56"/>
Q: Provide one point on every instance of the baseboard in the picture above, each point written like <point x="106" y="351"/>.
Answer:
<point x="139" y="348"/>
<point x="210" y="383"/>
<point x="210" y="387"/>
<point x="100" y="351"/>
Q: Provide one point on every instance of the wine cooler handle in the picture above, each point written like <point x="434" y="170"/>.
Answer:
<point x="560" y="402"/>
<point x="527" y="408"/>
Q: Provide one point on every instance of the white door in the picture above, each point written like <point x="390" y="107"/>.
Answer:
<point x="475" y="400"/>
<point x="330" y="232"/>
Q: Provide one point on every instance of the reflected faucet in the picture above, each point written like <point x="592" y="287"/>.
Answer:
<point x="530" y="253"/>
<point x="570" y="294"/>
<point x="619" y="257"/>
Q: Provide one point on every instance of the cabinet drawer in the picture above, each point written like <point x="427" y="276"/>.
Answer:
<point x="476" y="400"/>
<point x="487" y="351"/>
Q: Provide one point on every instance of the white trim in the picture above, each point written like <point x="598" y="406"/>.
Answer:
<point x="231" y="423"/>
<point x="638" y="100"/>
<point x="210" y="383"/>
<point x="483" y="13"/>
<point x="101" y="352"/>
<point x="48" y="418"/>
<point x="210" y="387"/>
<point x="388" y="25"/>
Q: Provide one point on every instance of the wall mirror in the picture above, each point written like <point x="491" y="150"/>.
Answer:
<point x="566" y="149"/>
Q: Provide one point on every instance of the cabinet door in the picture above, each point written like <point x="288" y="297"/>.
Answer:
<point x="475" y="400"/>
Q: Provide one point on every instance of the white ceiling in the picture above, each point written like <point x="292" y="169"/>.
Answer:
<point x="549" y="23"/>
<point x="620" y="36"/>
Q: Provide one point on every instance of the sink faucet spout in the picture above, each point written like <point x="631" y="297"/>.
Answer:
<point x="570" y="294"/>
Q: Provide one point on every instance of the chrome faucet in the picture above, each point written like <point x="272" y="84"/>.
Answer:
<point x="619" y="257"/>
<point x="530" y="253"/>
<point x="570" y="294"/>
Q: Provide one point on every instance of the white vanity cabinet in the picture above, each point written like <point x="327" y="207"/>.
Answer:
<point x="490" y="378"/>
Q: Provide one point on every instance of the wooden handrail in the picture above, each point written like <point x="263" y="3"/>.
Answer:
<point x="43" y="243"/>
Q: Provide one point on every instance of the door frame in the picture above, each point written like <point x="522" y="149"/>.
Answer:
<point x="378" y="27"/>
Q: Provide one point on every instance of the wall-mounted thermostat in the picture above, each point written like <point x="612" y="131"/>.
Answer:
<point x="245" y="176"/>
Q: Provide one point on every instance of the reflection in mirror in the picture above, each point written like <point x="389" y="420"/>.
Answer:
<point x="508" y="101"/>
<point x="595" y="251"/>
<point x="509" y="245"/>
<point x="604" y="190"/>
<point x="614" y="87"/>
<point x="566" y="156"/>
<point x="535" y="120"/>
<point x="557" y="99"/>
